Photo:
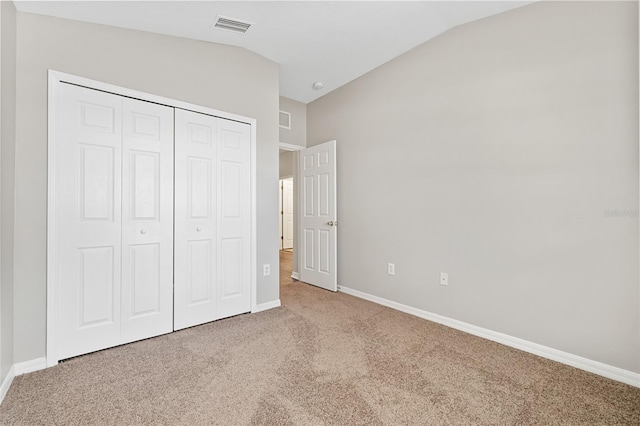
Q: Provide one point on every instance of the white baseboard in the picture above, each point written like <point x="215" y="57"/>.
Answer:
<point x="30" y="366"/>
<point x="596" y="367"/>
<point x="266" y="306"/>
<point x="295" y="275"/>
<point x="19" y="369"/>
<point x="6" y="383"/>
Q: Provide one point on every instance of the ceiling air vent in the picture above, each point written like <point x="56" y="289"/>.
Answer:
<point x="231" y="24"/>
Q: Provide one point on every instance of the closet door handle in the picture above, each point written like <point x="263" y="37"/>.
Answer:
<point x="143" y="231"/>
<point x="198" y="229"/>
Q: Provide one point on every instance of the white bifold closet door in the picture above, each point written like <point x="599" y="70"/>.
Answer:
<point x="114" y="219"/>
<point x="212" y="218"/>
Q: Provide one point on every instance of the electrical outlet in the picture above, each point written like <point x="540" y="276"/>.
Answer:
<point x="266" y="269"/>
<point x="391" y="268"/>
<point x="444" y="278"/>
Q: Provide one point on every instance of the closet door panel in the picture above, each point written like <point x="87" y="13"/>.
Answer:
<point x="147" y="220"/>
<point x="196" y="249"/>
<point x="87" y="158"/>
<point x="234" y="215"/>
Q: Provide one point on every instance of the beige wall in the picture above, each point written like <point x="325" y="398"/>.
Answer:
<point x="286" y="164"/>
<point x="222" y="77"/>
<point x="7" y="156"/>
<point x="297" y="135"/>
<point x="493" y="153"/>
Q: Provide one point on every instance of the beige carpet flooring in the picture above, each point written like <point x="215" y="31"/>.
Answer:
<point x="322" y="358"/>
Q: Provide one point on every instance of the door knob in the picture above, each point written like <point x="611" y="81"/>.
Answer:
<point x="143" y="231"/>
<point x="330" y="223"/>
<point x="198" y="229"/>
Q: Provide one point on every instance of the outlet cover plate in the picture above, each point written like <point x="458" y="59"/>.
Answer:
<point x="444" y="278"/>
<point x="391" y="268"/>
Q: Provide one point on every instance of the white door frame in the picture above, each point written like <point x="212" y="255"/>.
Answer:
<point x="55" y="79"/>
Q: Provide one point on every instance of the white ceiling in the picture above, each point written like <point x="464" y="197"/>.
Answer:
<point x="333" y="42"/>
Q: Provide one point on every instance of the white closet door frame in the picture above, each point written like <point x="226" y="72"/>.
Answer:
<point x="57" y="78"/>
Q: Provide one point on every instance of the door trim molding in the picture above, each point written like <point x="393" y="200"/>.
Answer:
<point x="266" y="306"/>
<point x="290" y="146"/>
<point x="6" y="383"/>
<point x="55" y="79"/>
<point x="30" y="366"/>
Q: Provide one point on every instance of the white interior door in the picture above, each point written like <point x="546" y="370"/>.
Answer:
<point x="113" y="184"/>
<point x="318" y="216"/>
<point x="287" y="213"/>
<point x="212" y="219"/>
<point x="88" y="219"/>
<point x="195" y="252"/>
<point x="234" y="218"/>
<point x="147" y="220"/>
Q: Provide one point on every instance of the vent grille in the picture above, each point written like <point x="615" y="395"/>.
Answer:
<point x="231" y="24"/>
<point x="285" y="120"/>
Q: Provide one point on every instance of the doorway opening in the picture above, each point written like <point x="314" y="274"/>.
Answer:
<point x="286" y="222"/>
<point x="287" y="213"/>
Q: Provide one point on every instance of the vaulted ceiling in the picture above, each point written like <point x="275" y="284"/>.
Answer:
<point x="330" y="42"/>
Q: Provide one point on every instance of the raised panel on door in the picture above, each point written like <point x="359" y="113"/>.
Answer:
<point x="234" y="218"/>
<point x="144" y="182"/>
<point x="309" y="246"/>
<point x="309" y="196"/>
<point x="324" y="196"/>
<point x="96" y="286"/>
<point x="144" y="280"/>
<point x="231" y="268"/>
<point x="96" y="182"/>
<point x="147" y="220"/>
<point x="87" y="155"/>
<point x="309" y="212"/>
<point x="195" y="240"/>
<point x="199" y="187"/>
<point x="318" y="219"/>
<point x="199" y="273"/>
